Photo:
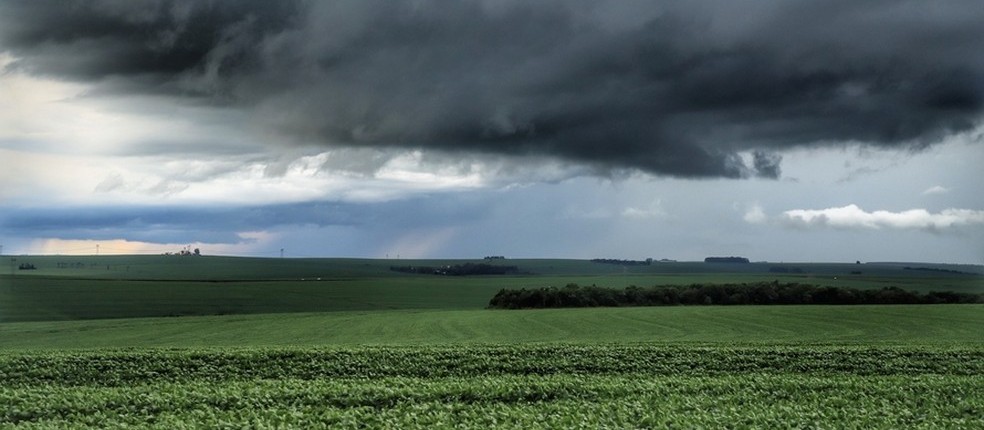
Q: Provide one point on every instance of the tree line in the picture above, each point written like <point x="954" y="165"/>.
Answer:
<point x="646" y="262"/>
<point x="761" y="293"/>
<point x="726" y="260"/>
<point x="466" y="269"/>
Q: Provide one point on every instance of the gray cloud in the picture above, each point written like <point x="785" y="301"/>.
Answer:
<point x="678" y="89"/>
<point x="767" y="164"/>
<point x="224" y="224"/>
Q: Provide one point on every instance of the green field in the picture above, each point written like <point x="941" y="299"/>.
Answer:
<point x="221" y="342"/>
<point x="515" y="386"/>
<point x="875" y="324"/>
<point x="71" y="288"/>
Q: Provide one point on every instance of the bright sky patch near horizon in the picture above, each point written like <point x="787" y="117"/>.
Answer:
<point x="781" y="131"/>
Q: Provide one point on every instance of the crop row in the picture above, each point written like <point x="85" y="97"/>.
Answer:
<point x="519" y="386"/>
<point x="128" y="367"/>
<point x="514" y="401"/>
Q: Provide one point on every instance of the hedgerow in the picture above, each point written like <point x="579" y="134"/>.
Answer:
<point x="760" y="293"/>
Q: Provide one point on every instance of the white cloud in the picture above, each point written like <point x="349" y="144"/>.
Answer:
<point x="184" y="179"/>
<point x="63" y="144"/>
<point x="586" y="214"/>
<point x="654" y="210"/>
<point x="755" y="215"/>
<point x="852" y="216"/>
<point x="938" y="189"/>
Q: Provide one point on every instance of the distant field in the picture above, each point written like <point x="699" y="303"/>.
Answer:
<point x="880" y="324"/>
<point x="157" y="267"/>
<point x="70" y="288"/>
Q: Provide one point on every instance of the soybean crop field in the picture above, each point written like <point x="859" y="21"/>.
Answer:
<point x="518" y="386"/>
<point x="218" y="342"/>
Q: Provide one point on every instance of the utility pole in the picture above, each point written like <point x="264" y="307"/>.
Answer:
<point x="97" y="249"/>
<point x="281" y="253"/>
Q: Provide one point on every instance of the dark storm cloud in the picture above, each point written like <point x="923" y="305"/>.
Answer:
<point x="673" y="88"/>
<point x="155" y="40"/>
<point x="767" y="165"/>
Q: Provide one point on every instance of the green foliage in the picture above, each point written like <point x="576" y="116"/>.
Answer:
<point x="563" y="386"/>
<point x="762" y="293"/>
<point x="120" y="368"/>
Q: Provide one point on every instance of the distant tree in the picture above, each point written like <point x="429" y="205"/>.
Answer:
<point x="197" y="252"/>
<point x="726" y="260"/>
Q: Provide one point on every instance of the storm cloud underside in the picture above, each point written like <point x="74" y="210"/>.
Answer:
<point x="678" y="88"/>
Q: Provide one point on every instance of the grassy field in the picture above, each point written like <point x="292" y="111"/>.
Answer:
<point x="877" y="324"/>
<point x="219" y="342"/>
<point x="157" y="267"/>
<point x="71" y="288"/>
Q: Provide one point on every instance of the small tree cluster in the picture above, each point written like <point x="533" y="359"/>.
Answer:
<point x="186" y="252"/>
<point x="466" y="269"/>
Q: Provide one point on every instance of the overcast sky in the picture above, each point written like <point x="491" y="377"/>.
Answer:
<point x="775" y="130"/>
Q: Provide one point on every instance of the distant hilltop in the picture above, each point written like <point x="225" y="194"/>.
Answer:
<point x="726" y="260"/>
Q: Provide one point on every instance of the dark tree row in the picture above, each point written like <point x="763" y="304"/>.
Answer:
<point x="458" y="269"/>
<point x="762" y="293"/>
<point x="646" y="262"/>
<point x="938" y="270"/>
<point x="726" y="260"/>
